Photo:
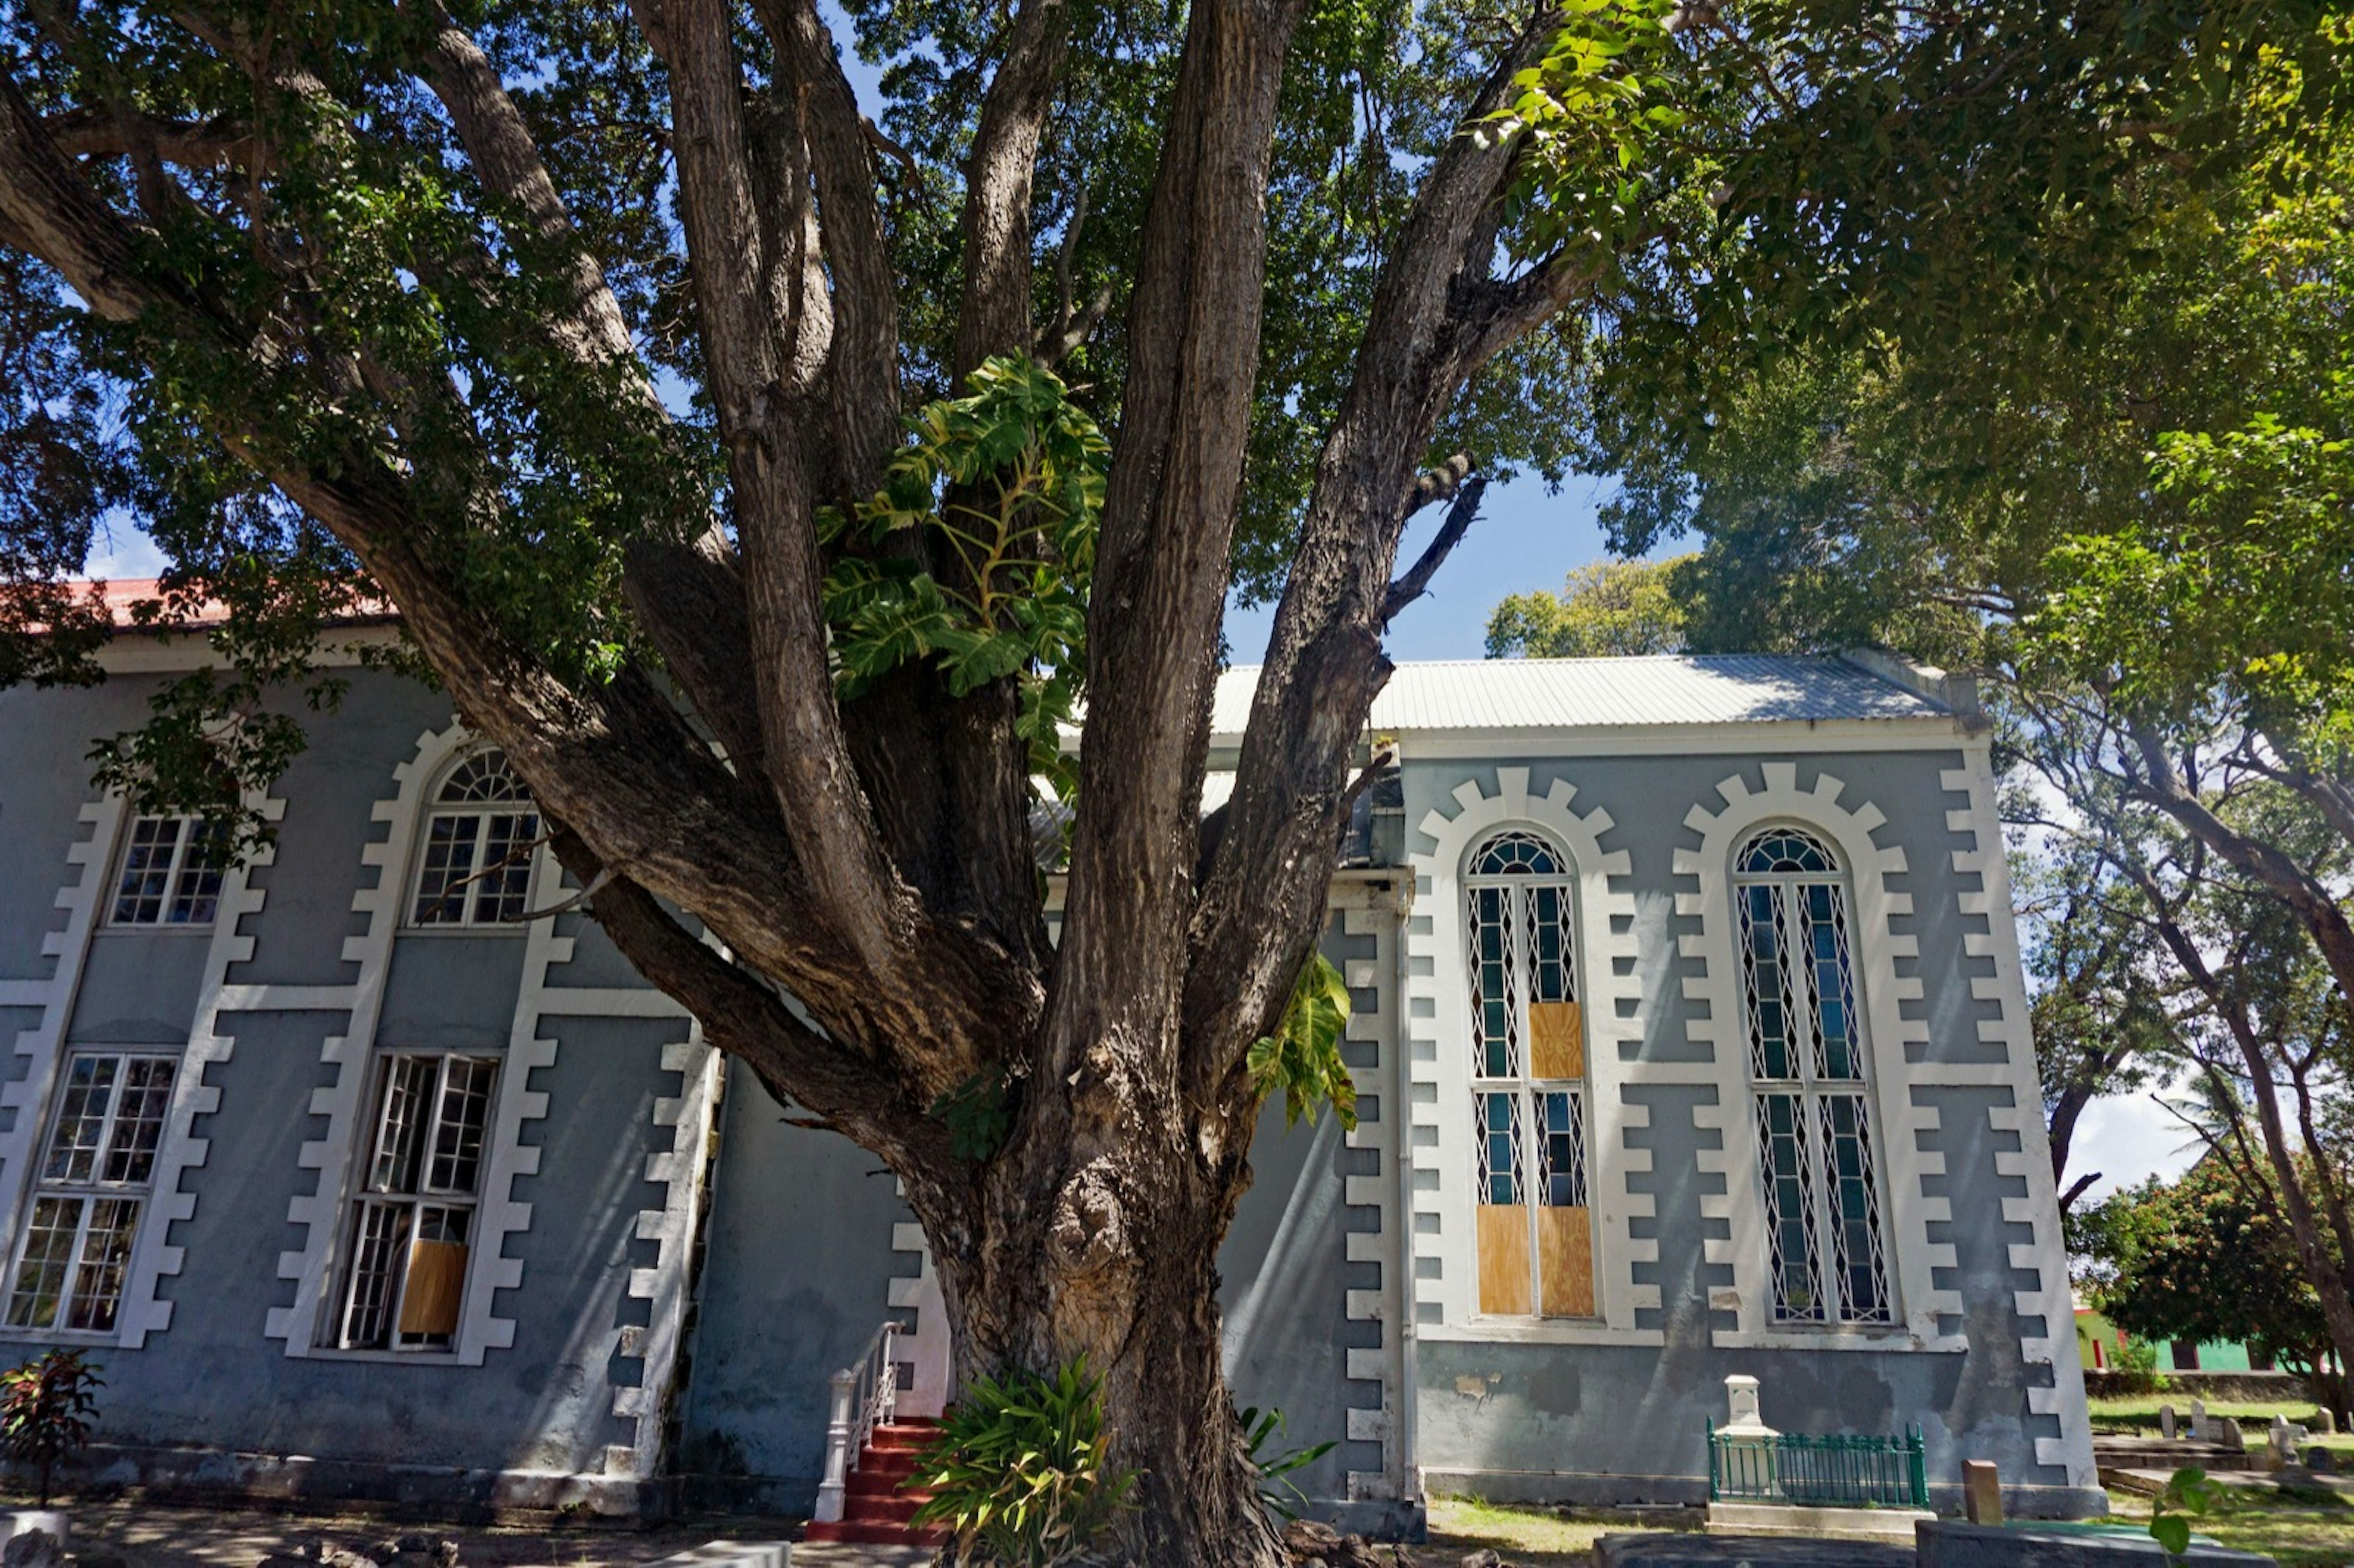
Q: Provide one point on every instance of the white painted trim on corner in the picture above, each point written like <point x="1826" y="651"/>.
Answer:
<point x="154" y="1255"/>
<point x="927" y="1348"/>
<point x="2045" y="1254"/>
<point x="679" y="1170"/>
<point x="41" y="1045"/>
<point x="1366" y="908"/>
<point x="1438" y="1056"/>
<point x="1881" y="946"/>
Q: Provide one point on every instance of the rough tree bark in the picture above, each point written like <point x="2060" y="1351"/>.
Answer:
<point x="874" y="859"/>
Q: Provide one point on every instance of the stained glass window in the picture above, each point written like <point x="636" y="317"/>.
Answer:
<point x="1806" y="1057"/>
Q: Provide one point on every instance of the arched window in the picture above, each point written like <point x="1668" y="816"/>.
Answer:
<point x="1806" y="1060"/>
<point x="479" y="838"/>
<point x="1528" y="1070"/>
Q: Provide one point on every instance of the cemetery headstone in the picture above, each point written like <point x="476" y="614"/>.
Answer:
<point x="2199" y="1433"/>
<point x="1981" y="1491"/>
<point x="2166" y="1422"/>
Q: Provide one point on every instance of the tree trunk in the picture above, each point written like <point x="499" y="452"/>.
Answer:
<point x="1115" y="1262"/>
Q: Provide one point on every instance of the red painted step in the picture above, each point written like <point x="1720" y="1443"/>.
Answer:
<point x="875" y="1504"/>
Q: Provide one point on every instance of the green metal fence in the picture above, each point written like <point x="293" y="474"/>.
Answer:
<point x="1818" y="1472"/>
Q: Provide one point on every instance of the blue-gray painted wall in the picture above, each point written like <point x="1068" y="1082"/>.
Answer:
<point x="798" y="1255"/>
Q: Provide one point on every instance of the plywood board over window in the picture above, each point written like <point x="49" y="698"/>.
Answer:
<point x="1535" y="1233"/>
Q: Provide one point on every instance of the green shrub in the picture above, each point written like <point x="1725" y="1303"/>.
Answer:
<point x="1021" y="1474"/>
<point x="46" y="1407"/>
<point x="2135" y="1371"/>
<point x="1276" y="1490"/>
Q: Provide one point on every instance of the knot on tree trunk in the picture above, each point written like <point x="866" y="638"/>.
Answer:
<point x="1090" y="1230"/>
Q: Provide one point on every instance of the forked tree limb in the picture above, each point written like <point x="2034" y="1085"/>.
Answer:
<point x="995" y="316"/>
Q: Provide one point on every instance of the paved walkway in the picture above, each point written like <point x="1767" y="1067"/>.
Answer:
<point x="145" y="1535"/>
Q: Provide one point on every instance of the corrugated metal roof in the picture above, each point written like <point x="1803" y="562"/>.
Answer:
<point x="1611" y="693"/>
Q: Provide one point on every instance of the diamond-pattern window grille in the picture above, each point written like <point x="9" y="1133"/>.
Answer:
<point x="1765" y="965"/>
<point x="1822" y="920"/>
<point x="1495" y="1006"/>
<point x="1807" y="1055"/>
<point x="1500" y="1148"/>
<point x="1553" y="964"/>
<point x="1786" y="1168"/>
<point x="1560" y="1147"/>
<point x="1855" y="1210"/>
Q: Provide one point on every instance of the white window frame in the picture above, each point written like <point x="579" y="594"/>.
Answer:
<point x="184" y="877"/>
<point x="1805" y="1077"/>
<point x="486" y="901"/>
<point x="1515" y="897"/>
<point x="51" y="1185"/>
<point x="424" y="1200"/>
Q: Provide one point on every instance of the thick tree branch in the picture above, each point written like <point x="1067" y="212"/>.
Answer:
<point x="1160" y="575"/>
<point x="210" y="143"/>
<point x="749" y="316"/>
<point x="1436" y="315"/>
<point x="1416" y="582"/>
<point x="2312" y="903"/>
<point x="994" y="317"/>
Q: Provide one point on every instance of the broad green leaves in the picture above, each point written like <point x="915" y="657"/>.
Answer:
<point x="1007" y="482"/>
<point x="1302" y="1057"/>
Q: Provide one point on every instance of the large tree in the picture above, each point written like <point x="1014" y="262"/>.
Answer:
<point x="593" y="340"/>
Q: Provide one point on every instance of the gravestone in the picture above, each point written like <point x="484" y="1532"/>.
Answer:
<point x="2199" y="1433"/>
<point x="2226" y="1431"/>
<point x="1741" y="1399"/>
<point x="2324" y="1423"/>
<point x="2166" y="1426"/>
<point x="1981" y="1491"/>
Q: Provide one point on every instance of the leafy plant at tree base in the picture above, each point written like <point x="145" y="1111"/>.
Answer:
<point x="1021" y="1474"/>
<point x="1302" y="1057"/>
<point x="2186" y="1492"/>
<point x="46" y="1407"/>
<point x="1276" y="1491"/>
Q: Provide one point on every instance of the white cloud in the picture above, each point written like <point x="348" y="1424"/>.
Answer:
<point x="2129" y="1139"/>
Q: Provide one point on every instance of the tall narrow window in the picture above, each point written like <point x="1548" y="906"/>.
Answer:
<point x="1528" y="1070"/>
<point x="171" y="873"/>
<point x="411" y="1226"/>
<point x="89" y="1192"/>
<point x="1806" y="1060"/>
<point x="476" y="867"/>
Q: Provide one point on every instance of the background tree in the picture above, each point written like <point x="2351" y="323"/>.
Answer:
<point x="2203" y="1259"/>
<point x="1609" y="608"/>
<point x="766" y="483"/>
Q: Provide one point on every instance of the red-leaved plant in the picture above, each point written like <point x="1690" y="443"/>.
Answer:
<point x="45" y="1411"/>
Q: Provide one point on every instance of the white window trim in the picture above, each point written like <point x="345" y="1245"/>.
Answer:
<point x="1810" y="1089"/>
<point x="1444" y="1164"/>
<point x="318" y="1215"/>
<point x="333" y="1323"/>
<point x="1523" y="1085"/>
<point x="112" y="893"/>
<point x="1877" y="947"/>
<point x="36" y="1185"/>
<point x="432" y="808"/>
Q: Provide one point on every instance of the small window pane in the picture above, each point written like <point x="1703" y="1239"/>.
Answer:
<point x="82" y="1118"/>
<point x="1789" y="1207"/>
<point x="1561" y="1149"/>
<point x="48" y="1254"/>
<point x="1823" y="915"/>
<point x="1495" y="1010"/>
<point x="1499" y="1149"/>
<point x="380" y="1245"/>
<point x="449" y="841"/>
<point x="146" y="881"/>
<point x="401" y="1113"/>
<point x="506" y="879"/>
<point x="465" y="1107"/>
<point x="196" y="892"/>
<point x="144" y="1100"/>
<point x="1767" y="980"/>
<point x="105" y="1258"/>
<point x="1855" y="1210"/>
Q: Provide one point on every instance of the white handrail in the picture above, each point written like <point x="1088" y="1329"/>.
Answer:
<point x="865" y="1395"/>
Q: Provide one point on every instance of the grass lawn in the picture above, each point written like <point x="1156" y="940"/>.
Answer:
<point x="1535" y="1538"/>
<point x="2138" y="1412"/>
<point x="2300" y="1529"/>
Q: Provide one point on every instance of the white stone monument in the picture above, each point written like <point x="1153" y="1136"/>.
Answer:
<point x="1741" y="1394"/>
